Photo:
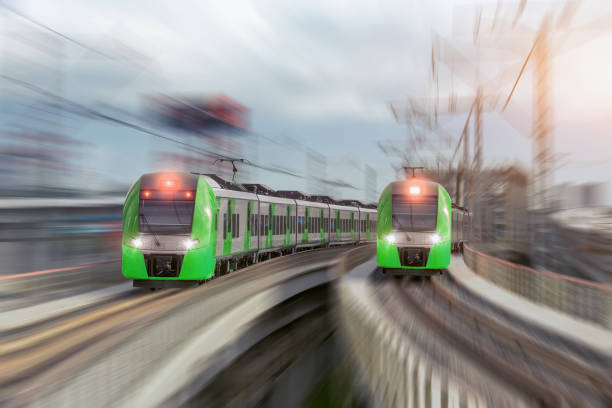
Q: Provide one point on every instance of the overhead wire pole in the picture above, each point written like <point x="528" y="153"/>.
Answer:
<point x="542" y="118"/>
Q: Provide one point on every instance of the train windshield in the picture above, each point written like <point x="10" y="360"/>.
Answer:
<point x="166" y="217"/>
<point x="414" y="214"/>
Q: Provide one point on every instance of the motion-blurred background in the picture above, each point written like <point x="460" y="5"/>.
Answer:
<point x="506" y="103"/>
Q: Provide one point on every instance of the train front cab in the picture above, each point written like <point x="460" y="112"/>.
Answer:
<point x="414" y="228"/>
<point x="168" y="233"/>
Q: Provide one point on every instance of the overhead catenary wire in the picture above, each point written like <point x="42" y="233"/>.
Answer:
<point x="86" y="111"/>
<point x="46" y="27"/>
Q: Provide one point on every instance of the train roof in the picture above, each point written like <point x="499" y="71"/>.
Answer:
<point x="224" y="184"/>
<point x="343" y="207"/>
<point x="323" y="199"/>
<point x="296" y="195"/>
<point x="427" y="187"/>
<point x="259" y="188"/>
<point x="262" y="190"/>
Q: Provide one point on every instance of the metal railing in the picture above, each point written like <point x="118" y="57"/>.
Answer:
<point x="579" y="298"/>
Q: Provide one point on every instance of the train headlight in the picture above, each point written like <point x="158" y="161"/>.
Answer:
<point x="137" y="242"/>
<point x="390" y="238"/>
<point x="190" y="243"/>
<point x="435" y="238"/>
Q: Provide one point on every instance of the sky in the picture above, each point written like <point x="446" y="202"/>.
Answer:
<point x="316" y="75"/>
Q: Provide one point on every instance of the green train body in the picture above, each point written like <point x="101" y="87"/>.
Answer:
<point x="180" y="229"/>
<point x="418" y="226"/>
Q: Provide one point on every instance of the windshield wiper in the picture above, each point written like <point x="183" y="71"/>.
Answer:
<point x="150" y="229"/>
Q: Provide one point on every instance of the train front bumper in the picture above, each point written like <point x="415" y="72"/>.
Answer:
<point x="433" y="256"/>
<point x="191" y="265"/>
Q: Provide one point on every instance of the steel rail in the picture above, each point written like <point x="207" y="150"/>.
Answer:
<point x="600" y="380"/>
<point x="491" y="361"/>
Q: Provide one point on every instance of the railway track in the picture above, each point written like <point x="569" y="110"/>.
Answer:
<point x="554" y="375"/>
<point x="32" y="362"/>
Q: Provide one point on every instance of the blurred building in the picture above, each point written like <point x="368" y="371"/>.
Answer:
<point x="580" y="243"/>
<point x="568" y="195"/>
<point x="500" y="212"/>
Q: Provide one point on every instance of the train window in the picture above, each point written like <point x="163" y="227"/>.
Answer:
<point x="266" y="225"/>
<point x="233" y="225"/>
<point x="248" y="216"/>
<point x="262" y="224"/>
<point x="237" y="225"/>
<point x="224" y="226"/>
<point x="216" y="221"/>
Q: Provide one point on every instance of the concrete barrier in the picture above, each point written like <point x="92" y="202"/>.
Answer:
<point x="400" y="363"/>
<point x="170" y="360"/>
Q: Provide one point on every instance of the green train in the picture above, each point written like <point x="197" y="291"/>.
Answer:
<point x="418" y="226"/>
<point x="180" y="229"/>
